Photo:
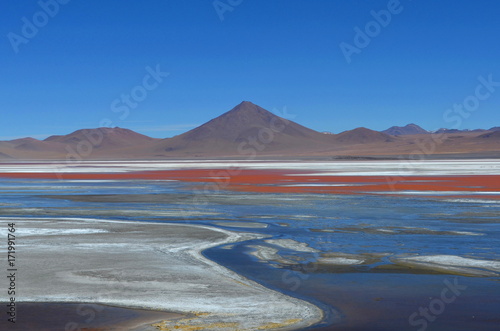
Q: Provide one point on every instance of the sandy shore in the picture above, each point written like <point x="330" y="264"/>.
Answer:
<point x="148" y="265"/>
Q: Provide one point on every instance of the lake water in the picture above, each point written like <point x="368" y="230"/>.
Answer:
<point x="456" y="288"/>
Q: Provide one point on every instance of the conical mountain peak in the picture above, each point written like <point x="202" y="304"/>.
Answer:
<point x="247" y="122"/>
<point x="247" y="107"/>
<point x="231" y="124"/>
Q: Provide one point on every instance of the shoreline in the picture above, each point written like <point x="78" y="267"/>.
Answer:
<point x="49" y="316"/>
<point x="176" y="269"/>
<point x="427" y="180"/>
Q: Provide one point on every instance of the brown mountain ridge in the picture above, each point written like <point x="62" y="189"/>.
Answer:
<point x="249" y="130"/>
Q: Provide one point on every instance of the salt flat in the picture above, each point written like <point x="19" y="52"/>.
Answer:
<point x="452" y="263"/>
<point x="147" y="265"/>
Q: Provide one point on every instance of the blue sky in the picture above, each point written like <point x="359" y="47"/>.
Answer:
<point x="72" y="71"/>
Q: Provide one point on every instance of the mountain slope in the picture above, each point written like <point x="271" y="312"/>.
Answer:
<point x="362" y="136"/>
<point x="5" y="156"/>
<point x="405" y="130"/>
<point x="31" y="144"/>
<point x="103" y="138"/>
<point x="493" y="135"/>
<point x="30" y="148"/>
<point x="82" y="144"/>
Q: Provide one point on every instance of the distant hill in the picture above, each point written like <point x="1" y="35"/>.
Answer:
<point x="32" y="144"/>
<point x="405" y="130"/>
<point x="30" y="148"/>
<point x="103" y="138"/>
<point x="86" y="143"/>
<point x="443" y="130"/>
<point x="362" y="136"/>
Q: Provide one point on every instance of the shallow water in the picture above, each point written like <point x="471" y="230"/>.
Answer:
<point x="372" y="296"/>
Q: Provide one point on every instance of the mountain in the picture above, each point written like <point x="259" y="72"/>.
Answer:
<point x="32" y="144"/>
<point x="250" y="130"/>
<point x="245" y="129"/>
<point x="103" y="138"/>
<point x="362" y="136"/>
<point x="405" y="130"/>
<point x="100" y="143"/>
<point x="443" y="130"/>
<point x="29" y="148"/>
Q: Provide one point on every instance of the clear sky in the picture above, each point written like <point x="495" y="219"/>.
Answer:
<point x="77" y="65"/>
